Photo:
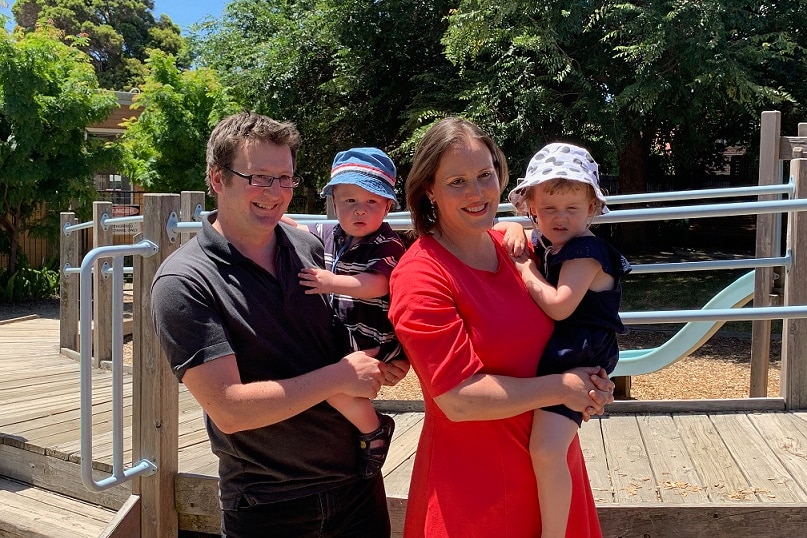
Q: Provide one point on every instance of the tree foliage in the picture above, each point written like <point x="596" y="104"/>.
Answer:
<point x="48" y="96"/>
<point x="164" y="149"/>
<point x="347" y="72"/>
<point x="650" y="87"/>
<point x="119" y="33"/>
<point x="677" y="79"/>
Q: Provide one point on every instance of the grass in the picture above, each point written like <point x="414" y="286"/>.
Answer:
<point x="678" y="291"/>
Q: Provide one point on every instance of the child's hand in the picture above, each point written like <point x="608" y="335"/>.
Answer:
<point x="514" y="239"/>
<point x="316" y="280"/>
<point x="523" y="262"/>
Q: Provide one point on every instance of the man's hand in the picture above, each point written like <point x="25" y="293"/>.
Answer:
<point x="363" y="373"/>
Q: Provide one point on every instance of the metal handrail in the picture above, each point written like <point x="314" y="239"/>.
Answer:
<point x="785" y="261"/>
<point x="698" y="194"/>
<point x="402" y="221"/>
<point x="143" y="467"/>
<point x="717" y="314"/>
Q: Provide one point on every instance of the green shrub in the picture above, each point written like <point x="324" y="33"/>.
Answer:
<point x="26" y="284"/>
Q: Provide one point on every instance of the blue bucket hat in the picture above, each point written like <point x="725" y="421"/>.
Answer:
<point x="369" y="168"/>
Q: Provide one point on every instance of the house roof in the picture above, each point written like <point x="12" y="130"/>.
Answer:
<point x="112" y="124"/>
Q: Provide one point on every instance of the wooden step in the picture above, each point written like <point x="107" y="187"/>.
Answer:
<point x="27" y="511"/>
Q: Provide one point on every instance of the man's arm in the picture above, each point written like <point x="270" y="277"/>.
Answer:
<point x="235" y="406"/>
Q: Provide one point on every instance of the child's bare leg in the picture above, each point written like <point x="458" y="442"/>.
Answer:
<point x="549" y="445"/>
<point x="359" y="411"/>
<point x="376" y="431"/>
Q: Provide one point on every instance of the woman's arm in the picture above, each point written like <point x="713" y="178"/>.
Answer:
<point x="437" y="341"/>
<point x="491" y="397"/>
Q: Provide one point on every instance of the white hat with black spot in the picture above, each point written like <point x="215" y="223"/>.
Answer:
<point x="558" y="160"/>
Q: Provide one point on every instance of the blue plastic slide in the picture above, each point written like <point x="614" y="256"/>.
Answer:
<point x="691" y="336"/>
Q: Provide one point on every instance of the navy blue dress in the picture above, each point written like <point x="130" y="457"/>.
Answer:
<point x="588" y="336"/>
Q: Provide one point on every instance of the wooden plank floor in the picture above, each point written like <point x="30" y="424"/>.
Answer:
<point x="748" y="459"/>
<point x="27" y="512"/>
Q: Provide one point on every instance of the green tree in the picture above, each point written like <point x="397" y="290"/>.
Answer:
<point x="48" y="96"/>
<point x="675" y="80"/>
<point x="521" y="76"/>
<point x="119" y="33"/>
<point x="164" y="149"/>
<point x="347" y="72"/>
<point x="698" y="76"/>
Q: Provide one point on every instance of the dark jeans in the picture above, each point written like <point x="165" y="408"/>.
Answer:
<point x="357" y="509"/>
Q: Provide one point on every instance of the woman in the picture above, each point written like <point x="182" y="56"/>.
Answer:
<point x="474" y="337"/>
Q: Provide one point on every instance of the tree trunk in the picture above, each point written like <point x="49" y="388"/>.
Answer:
<point x="13" y="230"/>
<point x="633" y="236"/>
<point x="633" y="165"/>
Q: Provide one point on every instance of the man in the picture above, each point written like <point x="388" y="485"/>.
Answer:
<point x="261" y="356"/>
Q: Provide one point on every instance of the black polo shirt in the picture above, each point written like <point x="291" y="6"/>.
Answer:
<point x="208" y="301"/>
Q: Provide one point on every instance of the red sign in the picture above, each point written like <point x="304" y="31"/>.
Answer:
<point x="121" y="210"/>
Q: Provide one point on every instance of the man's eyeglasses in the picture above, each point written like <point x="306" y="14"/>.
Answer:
<point x="259" y="180"/>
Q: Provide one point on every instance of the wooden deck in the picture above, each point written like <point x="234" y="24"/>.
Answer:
<point x="656" y="473"/>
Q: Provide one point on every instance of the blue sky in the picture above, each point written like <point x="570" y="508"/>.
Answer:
<point x="186" y="12"/>
<point x="182" y="12"/>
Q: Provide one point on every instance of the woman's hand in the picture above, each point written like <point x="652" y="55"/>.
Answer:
<point x="394" y="371"/>
<point x="589" y="390"/>
<point x="601" y="395"/>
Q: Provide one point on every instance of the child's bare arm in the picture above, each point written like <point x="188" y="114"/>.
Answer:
<point x="292" y="222"/>
<point x="360" y="286"/>
<point x="576" y="276"/>
<point x="515" y="238"/>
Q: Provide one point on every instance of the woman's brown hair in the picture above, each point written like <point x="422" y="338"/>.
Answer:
<point x="440" y="137"/>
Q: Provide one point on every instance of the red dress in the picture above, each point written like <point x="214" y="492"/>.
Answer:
<point x="474" y="479"/>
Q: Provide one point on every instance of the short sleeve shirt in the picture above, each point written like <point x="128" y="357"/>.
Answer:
<point x="210" y="301"/>
<point x="588" y="336"/>
<point x="379" y="252"/>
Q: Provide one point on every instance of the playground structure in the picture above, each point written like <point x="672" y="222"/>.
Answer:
<point x="98" y="288"/>
<point x="692" y="336"/>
